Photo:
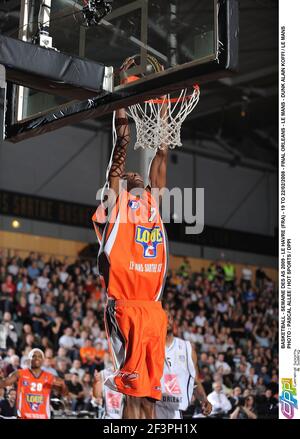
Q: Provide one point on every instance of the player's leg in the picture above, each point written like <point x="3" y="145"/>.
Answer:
<point x="132" y="407"/>
<point x="147" y="408"/>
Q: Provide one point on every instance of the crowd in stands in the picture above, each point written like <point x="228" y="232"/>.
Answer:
<point x="59" y="307"/>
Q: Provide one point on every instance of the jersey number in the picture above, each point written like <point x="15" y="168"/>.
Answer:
<point x="36" y="387"/>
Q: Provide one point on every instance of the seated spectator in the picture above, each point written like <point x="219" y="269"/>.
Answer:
<point x="23" y="286"/>
<point x="87" y="352"/>
<point x="246" y="277"/>
<point x="47" y="367"/>
<point x="76" y="368"/>
<point x="43" y="279"/>
<point x="7" y="294"/>
<point x="67" y="340"/>
<point x="236" y="397"/>
<point x="219" y="401"/>
<point x="33" y="271"/>
<point x="267" y="405"/>
<point x="76" y="393"/>
<point x="245" y="409"/>
<point x="8" y="405"/>
<point x="13" y="268"/>
<point x="200" y="319"/>
<point x="62" y="368"/>
<point x="8" y="331"/>
<point x="22" y="310"/>
<point x="39" y="321"/>
<point x="220" y="363"/>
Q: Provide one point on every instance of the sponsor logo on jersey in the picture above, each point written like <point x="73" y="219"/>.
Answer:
<point x="133" y="204"/>
<point x="34" y="401"/>
<point x="171" y="384"/>
<point x="149" y="239"/>
<point x="25" y="383"/>
<point x="182" y="358"/>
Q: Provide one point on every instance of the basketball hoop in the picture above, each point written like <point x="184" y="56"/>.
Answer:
<point x="154" y="131"/>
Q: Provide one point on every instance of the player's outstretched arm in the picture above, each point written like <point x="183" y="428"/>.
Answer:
<point x="97" y="385"/>
<point x="60" y="385"/>
<point x="117" y="165"/>
<point x="158" y="166"/>
<point x="199" y="390"/>
<point x="10" y="380"/>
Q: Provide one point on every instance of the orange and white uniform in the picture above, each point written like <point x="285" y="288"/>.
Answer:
<point x="133" y="260"/>
<point x="33" y="394"/>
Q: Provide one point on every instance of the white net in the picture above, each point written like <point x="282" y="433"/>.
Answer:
<point x="154" y="131"/>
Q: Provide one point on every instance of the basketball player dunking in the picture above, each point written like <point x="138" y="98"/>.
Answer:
<point x="180" y="378"/>
<point x="133" y="261"/>
<point x="34" y="388"/>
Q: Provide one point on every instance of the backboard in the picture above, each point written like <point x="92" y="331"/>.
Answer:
<point x="195" y="40"/>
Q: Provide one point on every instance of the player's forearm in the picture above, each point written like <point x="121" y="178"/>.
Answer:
<point x="122" y="128"/>
<point x="200" y="392"/>
<point x="120" y="148"/>
<point x="97" y="389"/>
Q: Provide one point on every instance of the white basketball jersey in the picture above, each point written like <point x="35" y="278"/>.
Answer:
<point x="113" y="401"/>
<point x="179" y="376"/>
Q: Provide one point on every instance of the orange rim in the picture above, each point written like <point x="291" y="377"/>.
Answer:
<point x="133" y="78"/>
<point x="173" y="100"/>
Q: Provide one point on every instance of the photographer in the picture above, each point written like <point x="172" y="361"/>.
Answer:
<point x="245" y="409"/>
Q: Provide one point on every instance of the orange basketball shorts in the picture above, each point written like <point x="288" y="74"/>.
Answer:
<point x="136" y="332"/>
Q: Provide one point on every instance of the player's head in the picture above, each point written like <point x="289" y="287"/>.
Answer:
<point x="36" y="357"/>
<point x="133" y="180"/>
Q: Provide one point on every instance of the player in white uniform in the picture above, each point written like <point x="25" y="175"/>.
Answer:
<point x="113" y="401"/>
<point x="180" y="378"/>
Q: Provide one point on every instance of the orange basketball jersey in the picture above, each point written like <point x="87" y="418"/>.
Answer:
<point x="33" y="395"/>
<point x="134" y="243"/>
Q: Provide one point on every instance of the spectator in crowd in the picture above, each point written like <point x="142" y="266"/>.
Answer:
<point x="219" y="401"/>
<point x="245" y="410"/>
<point x="67" y="340"/>
<point x="76" y="368"/>
<point x="8" y="289"/>
<point x="8" y="405"/>
<point x="8" y="331"/>
<point x="246" y="279"/>
<point x="76" y="392"/>
<point x="267" y="405"/>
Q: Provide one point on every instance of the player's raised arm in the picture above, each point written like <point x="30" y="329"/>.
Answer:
<point x="10" y="380"/>
<point x="117" y="164"/>
<point x="158" y="166"/>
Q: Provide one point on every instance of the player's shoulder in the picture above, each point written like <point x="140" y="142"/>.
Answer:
<point x="181" y="343"/>
<point x="48" y="375"/>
